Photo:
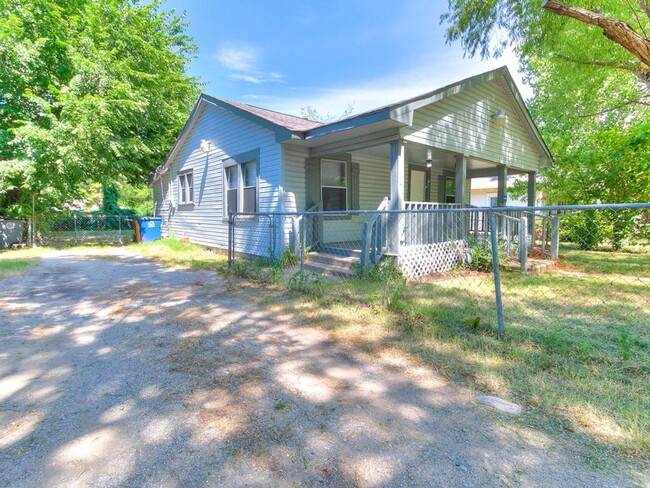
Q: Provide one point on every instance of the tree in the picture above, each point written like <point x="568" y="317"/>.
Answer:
<point x="590" y="75"/>
<point x="569" y="42"/>
<point x="90" y="91"/>
<point x="312" y="113"/>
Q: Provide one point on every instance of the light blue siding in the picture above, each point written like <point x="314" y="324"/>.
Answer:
<point x="205" y="221"/>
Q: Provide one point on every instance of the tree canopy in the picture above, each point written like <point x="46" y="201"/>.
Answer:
<point x="588" y="66"/>
<point x="90" y="91"/>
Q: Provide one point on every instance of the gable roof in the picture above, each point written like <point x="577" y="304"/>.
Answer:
<point x="402" y="111"/>
<point x="288" y="127"/>
<point x="290" y="122"/>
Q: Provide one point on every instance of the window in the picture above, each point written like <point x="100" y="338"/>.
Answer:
<point x="240" y="182"/>
<point x="249" y="180"/>
<point x="450" y="190"/>
<point x="494" y="201"/>
<point x="334" y="191"/>
<point x="185" y="188"/>
<point x="232" y="187"/>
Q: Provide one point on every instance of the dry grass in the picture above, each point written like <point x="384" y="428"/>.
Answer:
<point x="576" y="354"/>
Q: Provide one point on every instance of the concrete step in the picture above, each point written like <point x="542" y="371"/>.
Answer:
<point x="326" y="258"/>
<point x="339" y="266"/>
<point x="328" y="269"/>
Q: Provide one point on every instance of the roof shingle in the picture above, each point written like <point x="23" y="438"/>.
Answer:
<point x="287" y="121"/>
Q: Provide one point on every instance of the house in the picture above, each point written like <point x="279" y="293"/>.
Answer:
<point x="484" y="192"/>
<point x="414" y="154"/>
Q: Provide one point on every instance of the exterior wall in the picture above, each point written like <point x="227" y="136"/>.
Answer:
<point x="463" y="124"/>
<point x="374" y="186"/>
<point x="481" y="198"/>
<point x="294" y="177"/>
<point x="205" y="222"/>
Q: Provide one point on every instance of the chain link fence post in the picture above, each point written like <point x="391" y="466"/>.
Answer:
<point x="497" y="276"/>
<point x="523" y="242"/>
<point x="231" y="239"/>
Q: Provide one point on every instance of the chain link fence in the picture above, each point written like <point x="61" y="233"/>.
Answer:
<point x="57" y="230"/>
<point x="551" y="267"/>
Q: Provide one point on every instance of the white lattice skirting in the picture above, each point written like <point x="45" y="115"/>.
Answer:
<point x="423" y="259"/>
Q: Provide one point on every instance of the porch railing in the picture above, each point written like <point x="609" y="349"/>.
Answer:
<point x="423" y="225"/>
<point x="374" y="240"/>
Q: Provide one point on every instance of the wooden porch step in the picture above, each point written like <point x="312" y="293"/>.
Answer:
<point x="339" y="266"/>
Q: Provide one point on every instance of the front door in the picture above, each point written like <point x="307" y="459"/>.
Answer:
<point x="418" y="185"/>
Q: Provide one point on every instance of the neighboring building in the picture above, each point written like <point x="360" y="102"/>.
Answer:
<point x="484" y="193"/>
<point x="236" y="157"/>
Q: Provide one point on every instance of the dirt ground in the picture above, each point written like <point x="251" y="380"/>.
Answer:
<point x="115" y="371"/>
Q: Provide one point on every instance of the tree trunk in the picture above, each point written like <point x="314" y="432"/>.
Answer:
<point x="616" y="30"/>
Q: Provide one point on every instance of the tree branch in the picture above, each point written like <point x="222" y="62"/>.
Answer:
<point x="645" y="6"/>
<point x="602" y="64"/>
<point x="639" y="101"/>
<point x="615" y="30"/>
<point x="638" y="20"/>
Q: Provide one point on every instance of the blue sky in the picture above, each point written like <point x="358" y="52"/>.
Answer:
<point x="289" y="54"/>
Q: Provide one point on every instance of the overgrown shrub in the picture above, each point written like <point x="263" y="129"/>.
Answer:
<point x="306" y="282"/>
<point x="289" y="259"/>
<point x="260" y="270"/>
<point x="477" y="256"/>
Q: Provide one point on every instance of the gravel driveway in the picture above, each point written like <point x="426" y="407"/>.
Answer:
<point x="115" y="371"/>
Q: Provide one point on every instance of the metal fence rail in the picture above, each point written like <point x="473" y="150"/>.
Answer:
<point x="516" y="261"/>
<point x="61" y="230"/>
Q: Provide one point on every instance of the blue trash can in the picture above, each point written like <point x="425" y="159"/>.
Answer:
<point x="149" y="228"/>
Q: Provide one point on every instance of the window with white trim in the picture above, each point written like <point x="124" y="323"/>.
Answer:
<point x="249" y="184"/>
<point x="186" y="188"/>
<point x="241" y="182"/>
<point x="232" y="189"/>
<point x="334" y="186"/>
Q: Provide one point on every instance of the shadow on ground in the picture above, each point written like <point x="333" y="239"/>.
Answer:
<point x="118" y="372"/>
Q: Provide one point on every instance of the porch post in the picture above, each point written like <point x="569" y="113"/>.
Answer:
<point x="502" y="179"/>
<point x="396" y="193"/>
<point x="461" y="178"/>
<point x="532" y="201"/>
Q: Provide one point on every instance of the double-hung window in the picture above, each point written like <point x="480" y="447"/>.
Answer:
<point x="232" y="188"/>
<point x="186" y="188"/>
<point x="241" y="181"/>
<point x="334" y="189"/>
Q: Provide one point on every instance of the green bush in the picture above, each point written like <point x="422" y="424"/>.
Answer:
<point x="289" y="259"/>
<point x="260" y="270"/>
<point x="307" y="283"/>
<point x="477" y="256"/>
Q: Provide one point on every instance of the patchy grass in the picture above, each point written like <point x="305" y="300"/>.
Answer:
<point x="635" y="262"/>
<point x="576" y="353"/>
<point x="173" y="253"/>
<point x="16" y="261"/>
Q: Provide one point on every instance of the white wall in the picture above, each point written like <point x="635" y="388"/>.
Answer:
<point x="463" y="124"/>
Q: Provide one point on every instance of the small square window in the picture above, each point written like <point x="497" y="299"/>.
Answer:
<point x="186" y="188"/>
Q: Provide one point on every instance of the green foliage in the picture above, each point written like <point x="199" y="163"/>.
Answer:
<point x="478" y="256"/>
<point x="136" y="197"/>
<point x="91" y="92"/>
<point x="259" y="270"/>
<point x="306" y="283"/>
<point x="289" y="259"/>
<point x="383" y="271"/>
<point x="591" y="95"/>
<point x="591" y="229"/>
<point x="110" y="205"/>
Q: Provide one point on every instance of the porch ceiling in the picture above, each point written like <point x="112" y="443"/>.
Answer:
<point x="417" y="154"/>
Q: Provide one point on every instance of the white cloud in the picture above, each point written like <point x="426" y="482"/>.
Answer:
<point x="237" y="58"/>
<point x="243" y="61"/>
<point x="394" y="87"/>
